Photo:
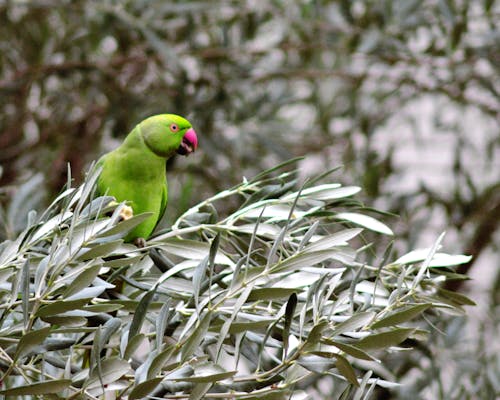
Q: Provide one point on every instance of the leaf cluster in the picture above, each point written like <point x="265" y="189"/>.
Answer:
<point x="253" y="304"/>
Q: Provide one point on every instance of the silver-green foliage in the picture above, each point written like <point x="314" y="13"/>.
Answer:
<point x="253" y="303"/>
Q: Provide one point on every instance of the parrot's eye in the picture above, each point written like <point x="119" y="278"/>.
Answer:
<point x="174" y="128"/>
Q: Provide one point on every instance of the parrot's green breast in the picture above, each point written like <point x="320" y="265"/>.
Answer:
<point x="139" y="181"/>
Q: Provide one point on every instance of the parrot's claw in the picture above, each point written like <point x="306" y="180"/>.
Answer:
<point x="140" y="242"/>
<point x="126" y="213"/>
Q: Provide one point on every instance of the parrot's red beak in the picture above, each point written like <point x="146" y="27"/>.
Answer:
<point x="189" y="143"/>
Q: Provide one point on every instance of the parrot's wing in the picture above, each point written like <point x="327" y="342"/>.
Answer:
<point x="164" y="200"/>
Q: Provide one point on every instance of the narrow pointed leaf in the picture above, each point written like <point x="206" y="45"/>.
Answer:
<point x="25" y="294"/>
<point x="384" y="340"/>
<point x="50" y="225"/>
<point x="192" y="250"/>
<point x="355" y="322"/>
<point x="140" y="314"/>
<point x="214" y="377"/>
<point x="112" y="369"/>
<point x="337" y="239"/>
<point x="351" y="350"/>
<point x="38" y="389"/>
<point x="425" y="264"/>
<point x="199" y="390"/>
<point x="315" y="334"/>
<point x="291" y="305"/>
<point x="239" y="327"/>
<point x="198" y="275"/>
<point x="196" y="337"/>
<point x="321" y="192"/>
<point x="365" y="221"/>
<point x="207" y="372"/>
<point x="87" y="293"/>
<point x="316" y="363"/>
<point x="132" y="345"/>
<point x="66" y="320"/>
<point x="60" y="307"/>
<point x="107" y="331"/>
<point x="346" y="369"/>
<point x="161" y="323"/>
<point x="30" y="341"/>
<point x="401" y="316"/>
<point x="272" y="293"/>
<point x="82" y="281"/>
<point x="308" y="235"/>
<point x="159" y="361"/>
<point x="214" y="246"/>
<point x="100" y="250"/>
<point x="142" y="390"/>
<point x="458" y="298"/>
<point x="303" y="259"/>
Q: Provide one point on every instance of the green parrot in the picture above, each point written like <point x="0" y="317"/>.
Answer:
<point x="135" y="171"/>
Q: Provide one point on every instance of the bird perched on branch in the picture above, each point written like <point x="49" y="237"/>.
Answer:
<point x="135" y="171"/>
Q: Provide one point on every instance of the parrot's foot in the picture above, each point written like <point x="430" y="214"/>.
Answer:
<point x="126" y="213"/>
<point x="140" y="242"/>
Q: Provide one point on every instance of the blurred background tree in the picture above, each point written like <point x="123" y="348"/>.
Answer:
<point x="405" y="94"/>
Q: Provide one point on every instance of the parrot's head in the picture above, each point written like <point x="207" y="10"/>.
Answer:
<point x="167" y="134"/>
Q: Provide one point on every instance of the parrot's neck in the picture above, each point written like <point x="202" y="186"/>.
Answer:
<point x="137" y="160"/>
